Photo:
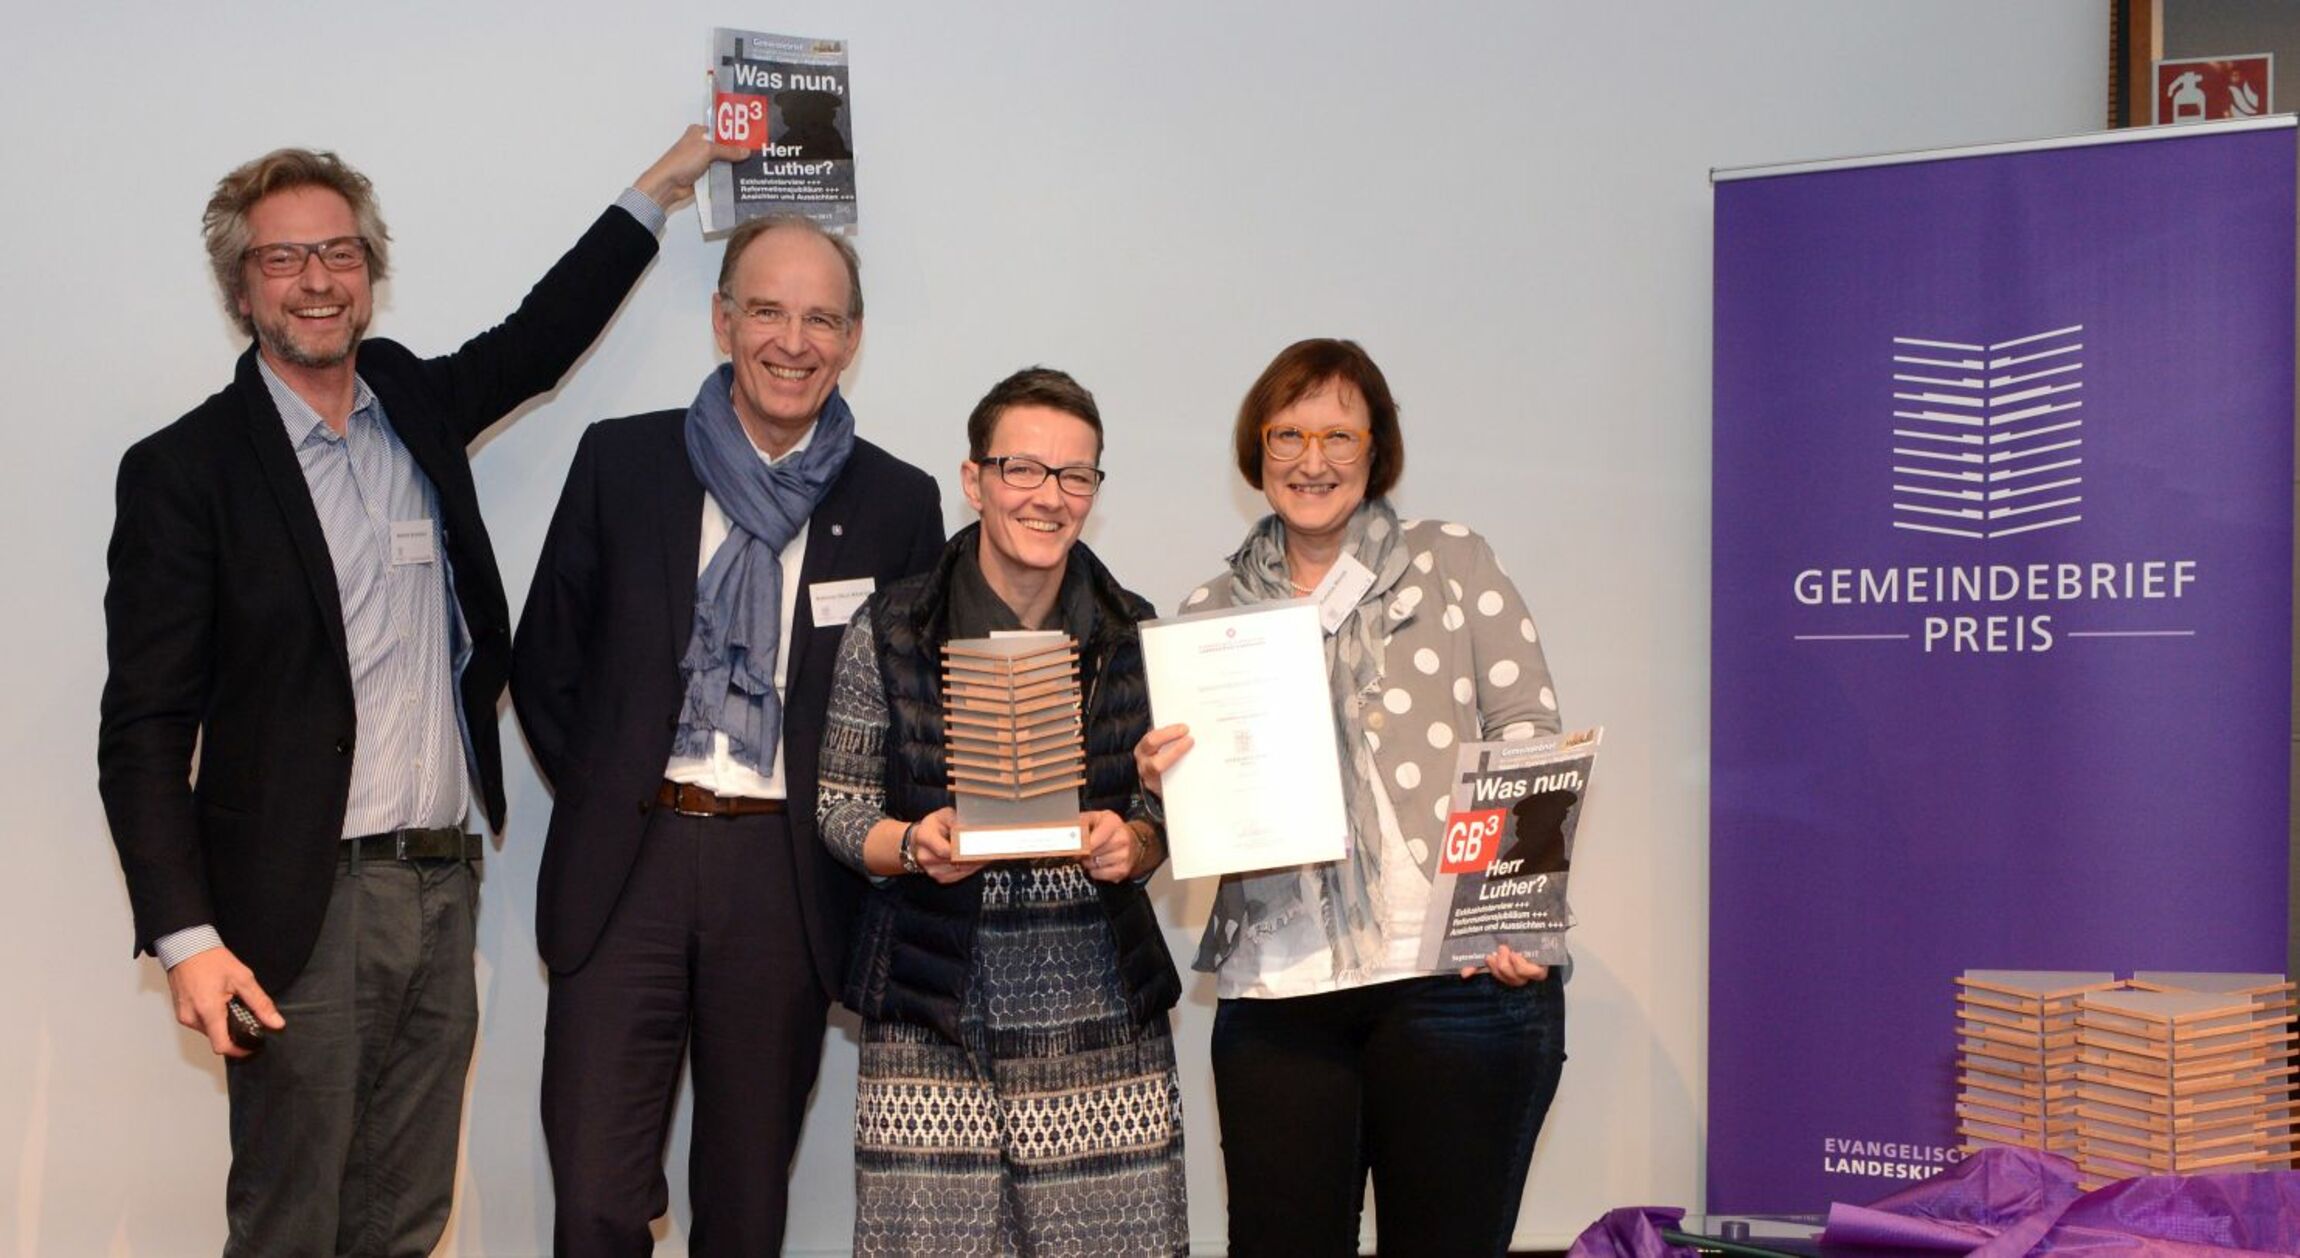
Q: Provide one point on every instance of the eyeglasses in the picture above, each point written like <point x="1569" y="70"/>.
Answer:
<point x="1024" y="472"/>
<point x="289" y="257"/>
<point x="818" y="325"/>
<point x="1288" y="442"/>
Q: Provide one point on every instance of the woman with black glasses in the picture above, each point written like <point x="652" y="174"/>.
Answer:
<point x="1017" y="1089"/>
<point x="1335" y="1056"/>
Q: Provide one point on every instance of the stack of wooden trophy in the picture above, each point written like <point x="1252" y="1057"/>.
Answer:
<point x="1012" y="734"/>
<point x="2166" y="1074"/>
<point x="2016" y="1047"/>
<point x="2192" y="1073"/>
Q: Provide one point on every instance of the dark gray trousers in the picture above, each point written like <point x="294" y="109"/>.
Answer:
<point x="344" y="1127"/>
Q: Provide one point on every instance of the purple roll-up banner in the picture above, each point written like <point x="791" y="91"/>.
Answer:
<point x="2001" y="613"/>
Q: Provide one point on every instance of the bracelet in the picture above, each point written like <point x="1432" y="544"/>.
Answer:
<point x="910" y="863"/>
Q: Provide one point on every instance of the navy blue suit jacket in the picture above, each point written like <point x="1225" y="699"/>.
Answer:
<point x="595" y="668"/>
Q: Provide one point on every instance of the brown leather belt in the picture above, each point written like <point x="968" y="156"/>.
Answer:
<point x="690" y="800"/>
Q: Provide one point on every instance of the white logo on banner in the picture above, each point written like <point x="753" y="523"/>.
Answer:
<point x="1987" y="437"/>
<point x="1988" y="442"/>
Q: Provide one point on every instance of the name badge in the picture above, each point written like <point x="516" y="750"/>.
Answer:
<point x="1346" y="582"/>
<point x="412" y="542"/>
<point x="834" y="602"/>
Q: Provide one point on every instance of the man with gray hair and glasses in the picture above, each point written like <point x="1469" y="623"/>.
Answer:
<point x="303" y="598"/>
<point x="672" y="673"/>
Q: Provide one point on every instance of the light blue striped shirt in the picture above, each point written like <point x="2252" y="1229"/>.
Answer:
<point x="401" y="628"/>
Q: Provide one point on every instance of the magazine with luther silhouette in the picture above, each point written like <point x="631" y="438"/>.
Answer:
<point x="1508" y="850"/>
<point x="786" y="98"/>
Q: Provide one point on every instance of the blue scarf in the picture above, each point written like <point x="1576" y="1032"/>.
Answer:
<point x="730" y="662"/>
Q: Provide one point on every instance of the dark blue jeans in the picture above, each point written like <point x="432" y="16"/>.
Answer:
<point x="1435" y="1086"/>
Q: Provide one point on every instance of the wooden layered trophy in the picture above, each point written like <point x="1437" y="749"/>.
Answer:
<point x="1014" y="738"/>
<point x="2016" y="1056"/>
<point x="2163" y="1074"/>
<point x="2179" y="1080"/>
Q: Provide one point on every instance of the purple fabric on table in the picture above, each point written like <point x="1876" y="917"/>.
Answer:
<point x="2004" y="1203"/>
<point x="2196" y="1214"/>
<point x="1630" y="1232"/>
<point x="1965" y="1206"/>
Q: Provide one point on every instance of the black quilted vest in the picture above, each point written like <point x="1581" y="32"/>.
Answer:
<point x="915" y="941"/>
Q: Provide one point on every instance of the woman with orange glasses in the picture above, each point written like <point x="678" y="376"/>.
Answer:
<point x="1335" y="1056"/>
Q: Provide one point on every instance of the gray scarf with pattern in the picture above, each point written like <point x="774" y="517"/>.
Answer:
<point x="1342" y="892"/>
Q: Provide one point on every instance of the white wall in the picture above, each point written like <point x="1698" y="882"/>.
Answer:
<point x="1505" y="202"/>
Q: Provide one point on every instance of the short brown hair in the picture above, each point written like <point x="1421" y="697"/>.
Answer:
<point x="1304" y="368"/>
<point x="1031" y="386"/>
<point x="224" y="224"/>
<point x="748" y="234"/>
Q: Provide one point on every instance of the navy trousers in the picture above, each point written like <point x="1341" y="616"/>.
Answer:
<point x="705" y="961"/>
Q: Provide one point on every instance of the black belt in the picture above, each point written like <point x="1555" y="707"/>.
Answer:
<point x="690" y="800"/>
<point x="445" y="843"/>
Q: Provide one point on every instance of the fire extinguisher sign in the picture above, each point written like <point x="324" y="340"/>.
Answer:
<point x="2207" y="89"/>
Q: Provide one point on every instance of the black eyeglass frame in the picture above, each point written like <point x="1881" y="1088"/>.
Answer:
<point x="1035" y="471"/>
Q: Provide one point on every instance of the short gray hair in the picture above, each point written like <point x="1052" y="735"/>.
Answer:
<point x="752" y="229"/>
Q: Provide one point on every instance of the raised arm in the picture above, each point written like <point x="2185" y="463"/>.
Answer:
<point x="527" y="354"/>
<point x="670" y="182"/>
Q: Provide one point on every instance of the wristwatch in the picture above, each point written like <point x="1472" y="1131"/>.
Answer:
<point x="910" y="863"/>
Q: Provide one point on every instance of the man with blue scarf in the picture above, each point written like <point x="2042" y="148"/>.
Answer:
<point x="671" y="671"/>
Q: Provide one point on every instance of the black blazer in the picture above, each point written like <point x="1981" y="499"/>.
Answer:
<point x="224" y="628"/>
<point x="595" y="671"/>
